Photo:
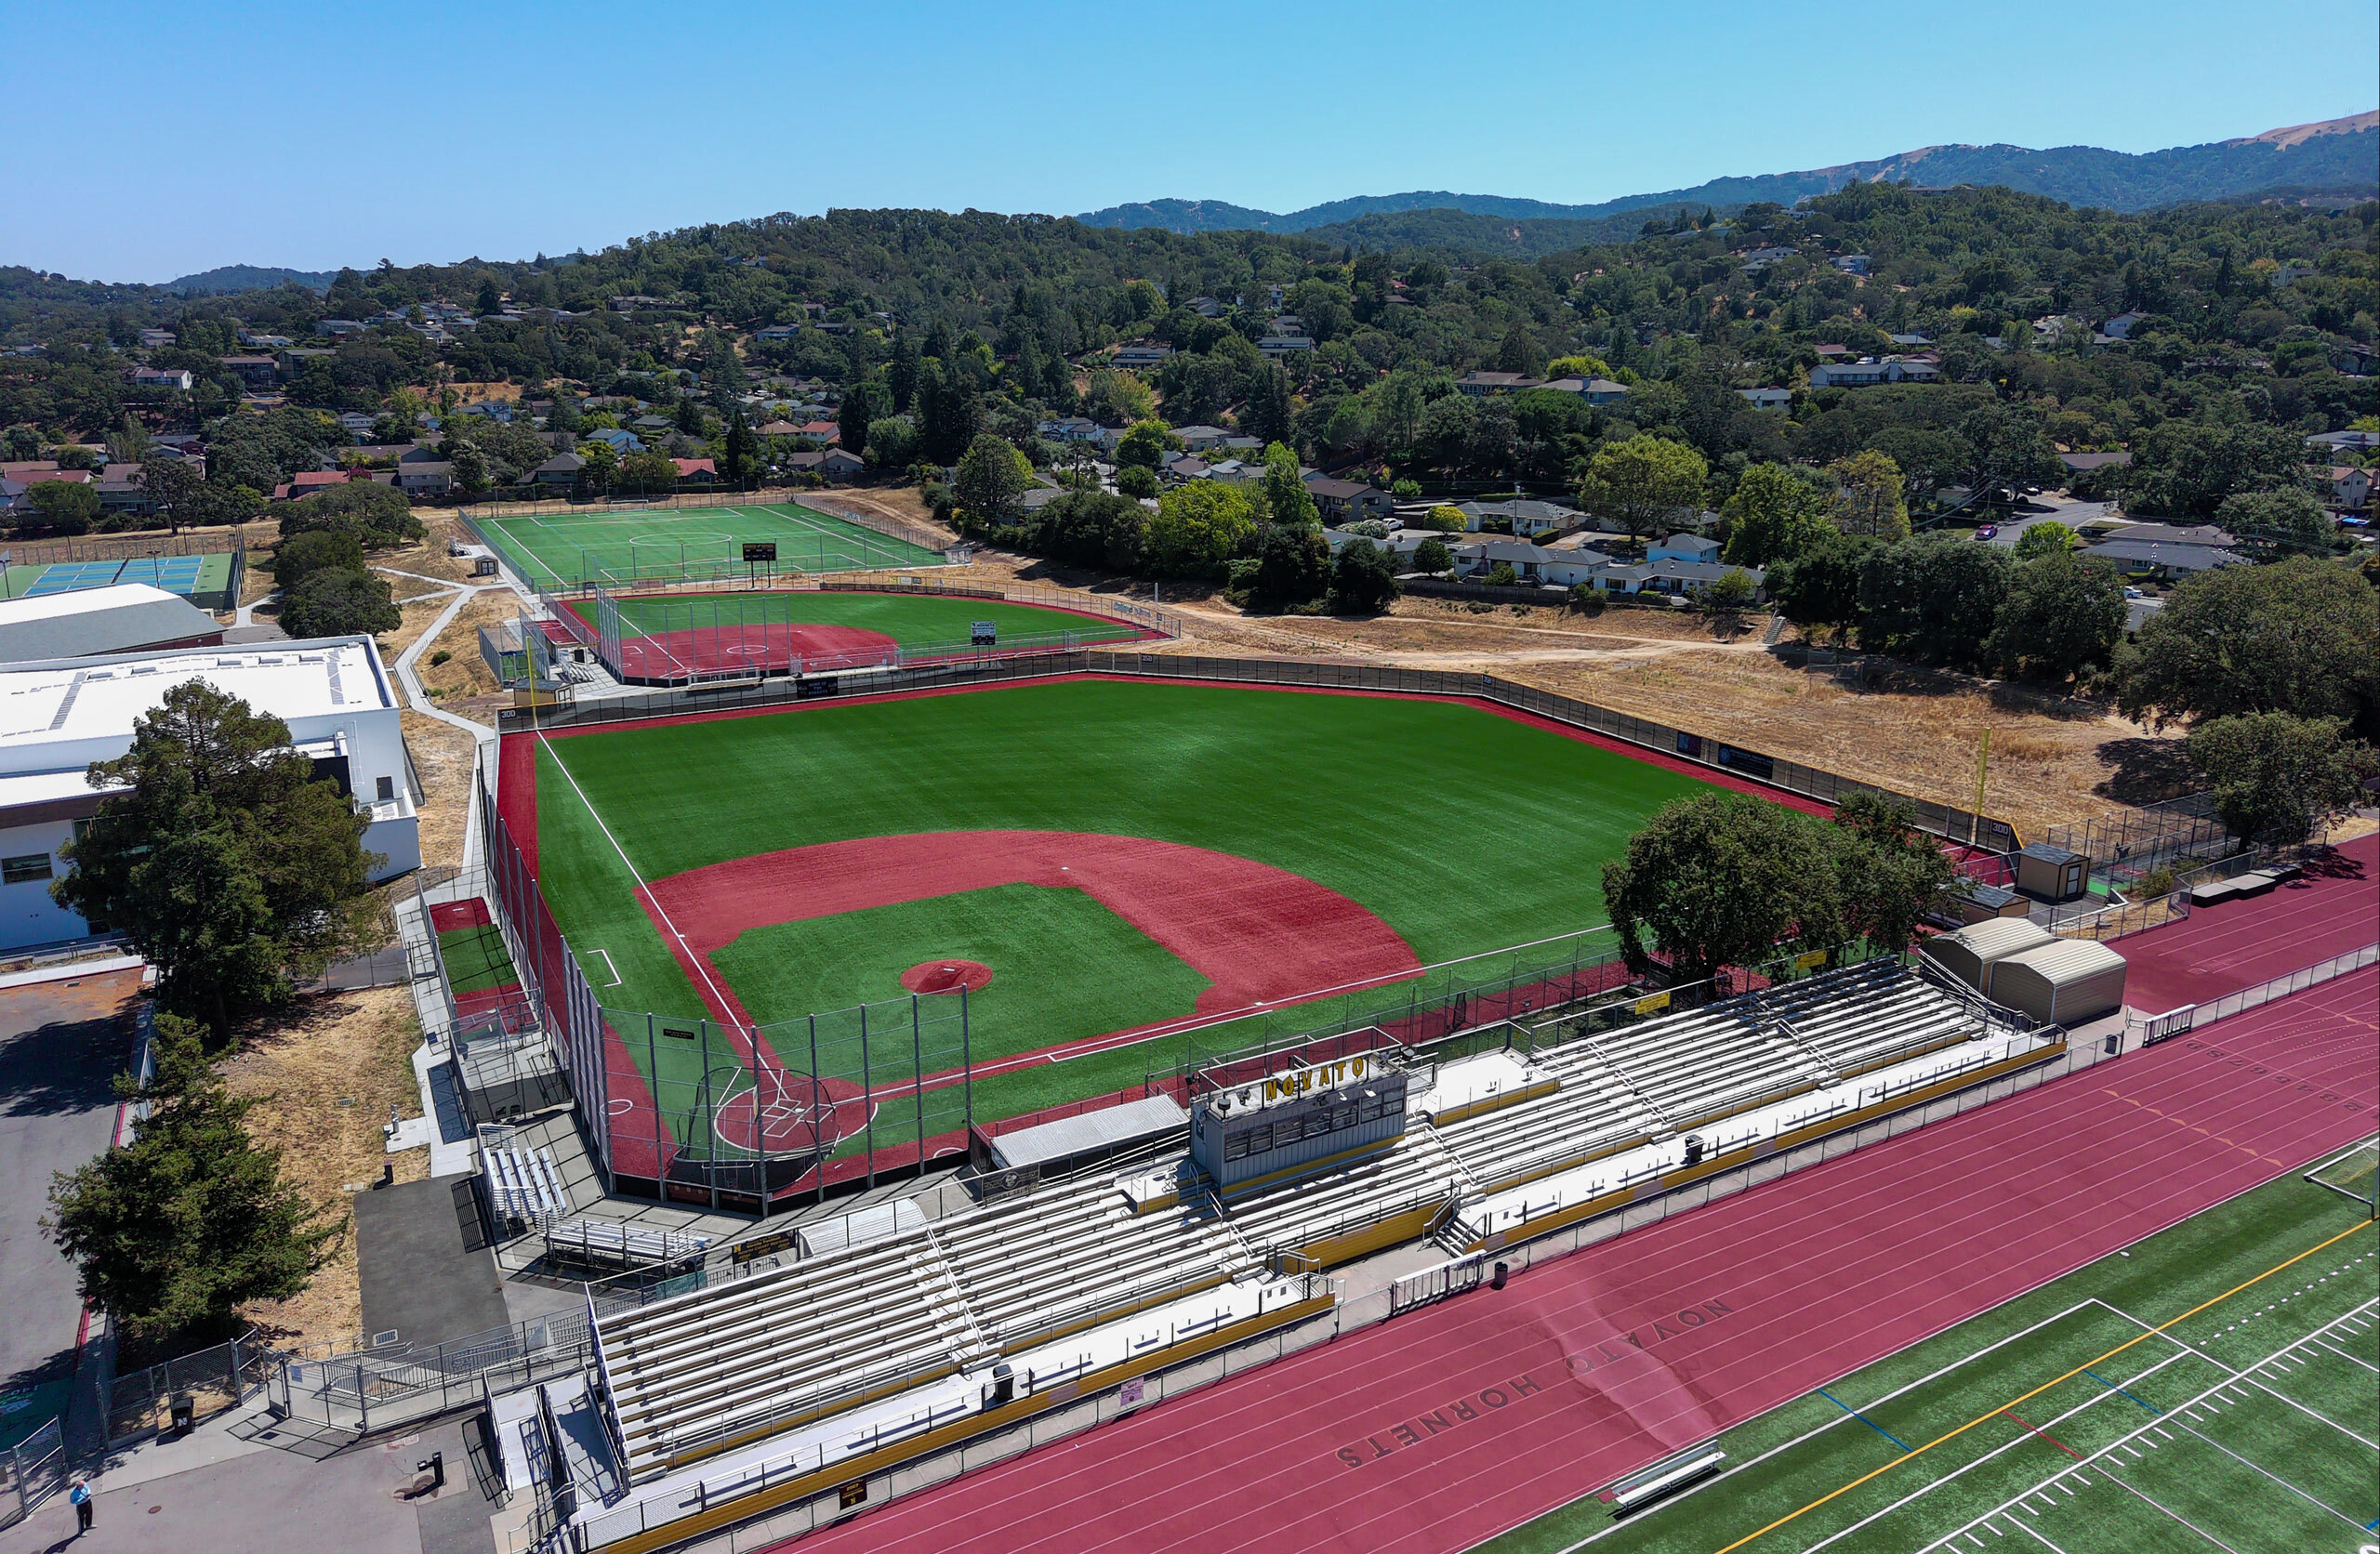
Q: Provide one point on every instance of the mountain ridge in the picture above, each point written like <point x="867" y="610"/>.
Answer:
<point x="2326" y="153"/>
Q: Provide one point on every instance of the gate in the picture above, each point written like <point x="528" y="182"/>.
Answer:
<point x="1436" y="1282"/>
<point x="30" y="1472"/>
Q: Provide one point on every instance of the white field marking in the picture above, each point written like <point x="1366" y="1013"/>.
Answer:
<point x="1838" y="1419"/>
<point x="2247" y="1377"/>
<point x="2144" y="1433"/>
<point x="1190" y="1024"/>
<point x="2024" y="1438"/>
<point x="2345" y="1355"/>
<point x="701" y="969"/>
<point x="608" y="966"/>
<point x="524" y="548"/>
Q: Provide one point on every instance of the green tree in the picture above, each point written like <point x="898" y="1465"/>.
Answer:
<point x="2278" y="779"/>
<point x="1643" y="483"/>
<point x="1889" y="874"/>
<point x="2187" y="469"/>
<point x="1136" y="481"/>
<point x="1502" y="576"/>
<point x="377" y="515"/>
<point x="1363" y="578"/>
<point x="1198" y="528"/>
<point x="1773" y="515"/>
<point x="1819" y="590"/>
<point x="740" y="460"/>
<point x="2278" y="522"/>
<point x="1269" y="411"/>
<point x="2064" y="614"/>
<point x="1718" y="881"/>
<point x="1520" y="353"/>
<point x="648" y="469"/>
<point x="1292" y="566"/>
<point x="2009" y="450"/>
<point x="1731" y="594"/>
<point x="1092" y="529"/>
<point x="893" y="443"/>
<point x="1868" y="498"/>
<point x="1933" y="597"/>
<point x="852" y="418"/>
<point x="2301" y="636"/>
<point x="992" y="478"/>
<point x="1286" y="500"/>
<point x="2048" y="537"/>
<point x="339" y="602"/>
<point x="1147" y="444"/>
<point x="221" y="859"/>
<point x="600" y="467"/>
<point x="179" y="490"/>
<point x="1432" y="556"/>
<point x="61" y="507"/>
<point x="297" y="556"/>
<point x="173" y="1233"/>
<point x="1445" y="518"/>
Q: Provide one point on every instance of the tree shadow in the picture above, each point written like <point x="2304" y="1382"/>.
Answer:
<point x="64" y="1066"/>
<point x="2147" y="770"/>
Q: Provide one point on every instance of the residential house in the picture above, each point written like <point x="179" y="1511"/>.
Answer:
<point x="1480" y="384"/>
<point x="696" y="471"/>
<point x="1183" y="466"/>
<point x="1536" y="566"/>
<point x="292" y="359"/>
<point x="652" y="426"/>
<point x="121" y="491"/>
<point x="1594" y="390"/>
<point x="1911" y="341"/>
<point x="779" y="429"/>
<point x="1671" y="577"/>
<point x="1682" y="547"/>
<point x="156" y="339"/>
<point x="1140" y="358"/>
<point x="623" y="441"/>
<point x="1236" y="471"/>
<point x="560" y="470"/>
<point x="630" y="304"/>
<point x="837" y="465"/>
<point x="1199" y="440"/>
<point x="1851" y="264"/>
<point x="1068" y="428"/>
<point x="1278" y="346"/>
<point x="776" y="333"/>
<point x="827" y="434"/>
<point x="1345" y="501"/>
<point x="255" y="341"/>
<point x="256" y="372"/>
<point x="2350" y="487"/>
<point x="2140" y="557"/>
<point x="341" y="326"/>
<point x="2120" y="326"/>
<point x="1757" y="259"/>
<point x="1768" y="398"/>
<point x="161" y="377"/>
<point x="2337" y="442"/>
<point x="1526" y="515"/>
<point x="1870" y="370"/>
<point x="1244" y="447"/>
<point x="1206" y="307"/>
<point x="356" y="423"/>
<point x="2156" y="534"/>
<point x="428" y="477"/>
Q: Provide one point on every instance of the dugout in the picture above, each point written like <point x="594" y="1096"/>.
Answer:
<point x="2066" y="982"/>
<point x="1972" y="951"/>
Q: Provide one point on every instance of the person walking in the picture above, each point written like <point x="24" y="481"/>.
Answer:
<point x="79" y="1495"/>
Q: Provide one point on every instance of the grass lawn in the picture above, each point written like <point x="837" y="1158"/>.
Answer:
<point x="915" y="620"/>
<point x="1463" y="830"/>
<point x="605" y="544"/>
<point x="2235" y="1426"/>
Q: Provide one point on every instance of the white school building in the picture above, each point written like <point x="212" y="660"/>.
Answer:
<point x="59" y="715"/>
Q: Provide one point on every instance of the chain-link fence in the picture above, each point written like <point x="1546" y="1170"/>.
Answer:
<point x="209" y="1382"/>
<point x="358" y="1391"/>
<point x="30" y="1472"/>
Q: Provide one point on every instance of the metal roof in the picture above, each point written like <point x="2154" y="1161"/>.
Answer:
<point x="1090" y="1132"/>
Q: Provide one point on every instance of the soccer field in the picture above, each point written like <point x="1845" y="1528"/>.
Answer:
<point x="916" y="623"/>
<point x="608" y="545"/>
<point x="1117" y="855"/>
<point x="2214" y="1387"/>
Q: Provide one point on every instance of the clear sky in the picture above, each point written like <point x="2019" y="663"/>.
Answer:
<point x="142" y="141"/>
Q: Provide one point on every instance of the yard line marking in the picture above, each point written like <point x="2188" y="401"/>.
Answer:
<point x="2046" y="1436"/>
<point x="2345" y="1355"/>
<point x="2248" y="1375"/>
<point x="2045" y="1387"/>
<point x="2036" y="1534"/>
<point x="1863" y="1418"/>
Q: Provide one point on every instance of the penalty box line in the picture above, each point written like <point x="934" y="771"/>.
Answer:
<point x="2159" y="1418"/>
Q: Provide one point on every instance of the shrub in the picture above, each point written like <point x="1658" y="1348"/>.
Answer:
<point x="440" y="656"/>
<point x="1502" y="576"/>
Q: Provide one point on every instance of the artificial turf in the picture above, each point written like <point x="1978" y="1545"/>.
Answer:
<point x="608" y="544"/>
<point x="1068" y="967"/>
<point x="2255" y="1469"/>
<point x="476" y="959"/>
<point x="1462" y="829"/>
<point x="917" y="621"/>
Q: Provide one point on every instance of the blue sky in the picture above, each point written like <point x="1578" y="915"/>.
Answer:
<point x="157" y="140"/>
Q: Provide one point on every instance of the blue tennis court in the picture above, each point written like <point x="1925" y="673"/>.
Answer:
<point x="176" y="575"/>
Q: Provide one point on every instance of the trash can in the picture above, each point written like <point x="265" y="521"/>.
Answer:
<point x="185" y="1413"/>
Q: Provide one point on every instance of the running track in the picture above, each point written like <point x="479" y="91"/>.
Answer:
<point x="2222" y="949"/>
<point x="1789" y="1286"/>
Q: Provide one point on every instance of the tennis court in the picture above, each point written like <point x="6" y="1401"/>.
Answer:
<point x="614" y="546"/>
<point x="205" y="579"/>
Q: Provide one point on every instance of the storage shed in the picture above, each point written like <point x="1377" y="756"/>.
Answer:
<point x="2066" y="982"/>
<point x="1970" y="954"/>
<point x="1976" y="902"/>
<point x="2051" y="873"/>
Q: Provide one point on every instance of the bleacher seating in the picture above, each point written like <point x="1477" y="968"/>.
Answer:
<point x="609" y="1243"/>
<point x="742" y="1358"/>
<point x="524" y="1186"/>
<point x="1418" y="1172"/>
<point x="1594" y="1113"/>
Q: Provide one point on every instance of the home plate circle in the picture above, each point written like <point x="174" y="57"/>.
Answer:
<point x="947" y="976"/>
<point x="789" y="1114"/>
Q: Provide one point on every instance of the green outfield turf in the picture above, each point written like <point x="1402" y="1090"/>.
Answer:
<point x="2249" y="1425"/>
<point x="605" y="544"/>
<point x="476" y="959"/>
<point x="1463" y="830"/>
<point x="915" y="620"/>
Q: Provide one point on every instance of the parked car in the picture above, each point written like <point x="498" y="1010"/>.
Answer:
<point x="1986" y="532"/>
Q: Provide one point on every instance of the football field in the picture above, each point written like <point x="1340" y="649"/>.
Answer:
<point x="611" y="547"/>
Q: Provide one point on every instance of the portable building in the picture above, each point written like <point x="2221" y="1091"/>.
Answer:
<point x="2050" y="873"/>
<point x="2066" y="981"/>
<point x="1970" y="954"/>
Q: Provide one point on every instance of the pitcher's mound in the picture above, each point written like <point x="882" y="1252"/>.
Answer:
<point x="946" y="976"/>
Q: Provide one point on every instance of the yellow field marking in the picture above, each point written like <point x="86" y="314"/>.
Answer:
<point x="2037" y="1392"/>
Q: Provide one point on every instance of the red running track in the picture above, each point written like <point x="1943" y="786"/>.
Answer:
<point x="1591" y="1366"/>
<point x="2222" y="949"/>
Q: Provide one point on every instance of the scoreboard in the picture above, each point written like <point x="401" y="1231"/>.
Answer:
<point x="1271" y="1130"/>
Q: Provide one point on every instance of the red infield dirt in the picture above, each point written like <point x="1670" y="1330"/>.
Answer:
<point x="1255" y="933"/>
<point x="446" y="916"/>
<point x="1589" y="1367"/>
<point x="776" y="650"/>
<point x="2222" y="949"/>
<point x="947" y="976"/>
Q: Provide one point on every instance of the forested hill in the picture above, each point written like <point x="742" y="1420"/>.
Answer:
<point x="2337" y="155"/>
<point x="248" y="277"/>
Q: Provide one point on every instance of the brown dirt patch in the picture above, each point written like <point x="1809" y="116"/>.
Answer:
<point x="465" y="673"/>
<point x="328" y="1070"/>
<point x="947" y="976"/>
<point x="442" y="753"/>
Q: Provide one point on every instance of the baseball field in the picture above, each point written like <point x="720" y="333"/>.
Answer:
<point x="1099" y="863"/>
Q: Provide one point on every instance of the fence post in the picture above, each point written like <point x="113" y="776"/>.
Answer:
<point x="362" y="1409"/>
